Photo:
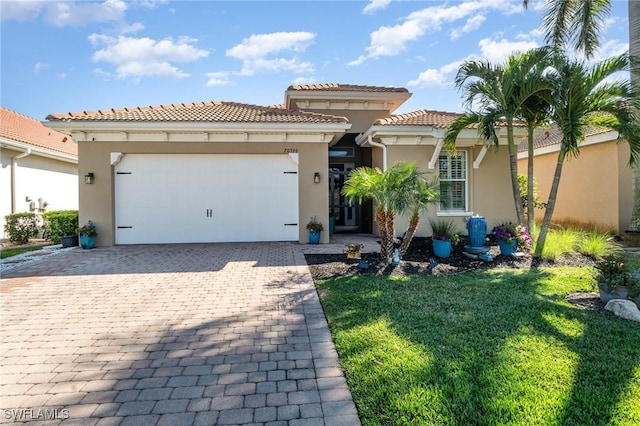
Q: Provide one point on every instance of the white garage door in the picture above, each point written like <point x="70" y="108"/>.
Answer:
<point x="188" y="198"/>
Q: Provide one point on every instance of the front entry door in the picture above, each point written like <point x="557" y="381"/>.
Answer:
<point x="346" y="218"/>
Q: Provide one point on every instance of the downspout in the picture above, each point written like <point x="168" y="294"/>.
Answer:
<point x="14" y="164"/>
<point x="384" y="152"/>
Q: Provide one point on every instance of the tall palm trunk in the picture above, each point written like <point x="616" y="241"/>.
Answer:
<point x="391" y="235"/>
<point x="530" y="195"/>
<point x="513" y="165"/>
<point x="551" y="204"/>
<point x="383" y="218"/>
<point x="411" y="230"/>
<point x="634" y="49"/>
<point x="635" y="214"/>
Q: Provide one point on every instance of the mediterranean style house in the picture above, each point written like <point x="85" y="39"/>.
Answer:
<point x="230" y="172"/>
<point x="39" y="167"/>
<point x="595" y="189"/>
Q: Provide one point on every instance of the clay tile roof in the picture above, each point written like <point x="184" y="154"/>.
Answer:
<point x="552" y="136"/>
<point x="437" y="119"/>
<point x="225" y="112"/>
<point x="337" y="87"/>
<point x="27" y="130"/>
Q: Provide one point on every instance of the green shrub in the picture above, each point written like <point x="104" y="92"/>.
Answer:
<point x="60" y="223"/>
<point x="20" y="227"/>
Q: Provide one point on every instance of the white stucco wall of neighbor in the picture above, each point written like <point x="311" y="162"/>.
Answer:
<point x="37" y="180"/>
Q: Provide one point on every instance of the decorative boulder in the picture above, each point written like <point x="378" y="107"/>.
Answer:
<point x="624" y="309"/>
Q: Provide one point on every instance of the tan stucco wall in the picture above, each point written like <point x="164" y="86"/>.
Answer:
<point x="595" y="188"/>
<point x="360" y="120"/>
<point x="97" y="200"/>
<point x="56" y="182"/>
<point x="490" y="192"/>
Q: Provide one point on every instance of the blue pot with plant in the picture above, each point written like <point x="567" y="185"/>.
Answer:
<point x="315" y="228"/>
<point x="445" y="237"/>
<point x="87" y="234"/>
<point x="512" y="238"/>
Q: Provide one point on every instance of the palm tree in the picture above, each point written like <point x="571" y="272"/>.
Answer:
<point x="394" y="191"/>
<point x="424" y="194"/>
<point x="587" y="96"/>
<point x="581" y="21"/>
<point x="502" y="93"/>
<point x="634" y="51"/>
<point x="577" y="21"/>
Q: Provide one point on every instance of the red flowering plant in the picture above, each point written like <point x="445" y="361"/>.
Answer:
<point x="510" y="231"/>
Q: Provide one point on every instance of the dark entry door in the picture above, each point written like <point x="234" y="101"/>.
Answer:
<point x="346" y="216"/>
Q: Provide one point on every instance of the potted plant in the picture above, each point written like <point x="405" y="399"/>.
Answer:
<point x="353" y="250"/>
<point x="611" y="277"/>
<point x="445" y="236"/>
<point x="512" y="238"/>
<point x="88" y="234"/>
<point x="314" y="228"/>
<point x="633" y="282"/>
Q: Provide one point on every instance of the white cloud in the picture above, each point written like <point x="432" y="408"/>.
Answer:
<point x="254" y="52"/>
<point x="609" y="49"/>
<point x="442" y="76"/>
<point x="472" y="24"/>
<point x="375" y="5"/>
<point x="21" y="10"/>
<point x="218" y="79"/>
<point x="392" y="40"/>
<point x="82" y="13"/>
<point x="497" y="51"/>
<point x="304" y="80"/>
<point x="39" y="66"/>
<point x="145" y="57"/>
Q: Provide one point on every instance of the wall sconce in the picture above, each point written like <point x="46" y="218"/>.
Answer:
<point x="88" y="178"/>
<point x="316" y="177"/>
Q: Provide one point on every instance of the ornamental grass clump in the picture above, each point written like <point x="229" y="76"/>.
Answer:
<point x="509" y="231"/>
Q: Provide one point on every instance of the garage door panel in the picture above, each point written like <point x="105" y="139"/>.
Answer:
<point x="206" y="198"/>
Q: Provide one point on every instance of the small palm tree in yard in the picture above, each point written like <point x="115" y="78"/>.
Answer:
<point x="394" y="191"/>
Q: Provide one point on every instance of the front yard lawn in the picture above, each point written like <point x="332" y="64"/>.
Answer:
<point x="494" y="347"/>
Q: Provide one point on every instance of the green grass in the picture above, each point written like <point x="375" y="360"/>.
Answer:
<point x="9" y="252"/>
<point x="483" y="348"/>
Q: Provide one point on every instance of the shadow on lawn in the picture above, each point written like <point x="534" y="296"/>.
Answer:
<point x="468" y="350"/>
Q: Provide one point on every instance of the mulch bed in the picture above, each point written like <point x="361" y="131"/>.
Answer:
<point x="420" y="260"/>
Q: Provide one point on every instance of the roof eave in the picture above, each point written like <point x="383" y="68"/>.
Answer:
<point x="344" y="99"/>
<point x="37" y="150"/>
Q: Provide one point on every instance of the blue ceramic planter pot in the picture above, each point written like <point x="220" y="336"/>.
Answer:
<point x="442" y="248"/>
<point x="507" y="247"/>
<point x="87" y="242"/>
<point x="477" y="229"/>
<point x="314" y="236"/>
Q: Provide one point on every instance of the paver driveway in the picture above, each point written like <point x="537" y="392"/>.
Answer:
<point x="169" y="335"/>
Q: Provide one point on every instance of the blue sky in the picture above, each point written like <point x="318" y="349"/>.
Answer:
<point x="81" y="55"/>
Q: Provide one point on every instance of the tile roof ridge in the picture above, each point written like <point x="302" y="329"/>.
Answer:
<point x="20" y="114"/>
<point x="398" y="117"/>
<point x="329" y="86"/>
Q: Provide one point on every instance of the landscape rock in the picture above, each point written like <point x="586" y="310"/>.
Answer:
<point x="624" y="309"/>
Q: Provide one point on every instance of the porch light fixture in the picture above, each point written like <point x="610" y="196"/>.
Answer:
<point x="88" y="178"/>
<point x="316" y="177"/>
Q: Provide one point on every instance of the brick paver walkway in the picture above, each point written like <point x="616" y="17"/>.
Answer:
<point x="169" y="335"/>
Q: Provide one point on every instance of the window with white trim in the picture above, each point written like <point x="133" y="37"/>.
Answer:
<point x="452" y="172"/>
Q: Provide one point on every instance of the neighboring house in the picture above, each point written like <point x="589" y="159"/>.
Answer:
<point x="223" y="171"/>
<point x="595" y="188"/>
<point x="39" y="167"/>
